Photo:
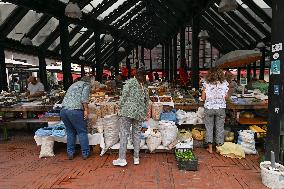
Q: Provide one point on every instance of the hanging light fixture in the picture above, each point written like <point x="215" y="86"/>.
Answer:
<point x="260" y="45"/>
<point x="72" y="10"/>
<point x="227" y="5"/>
<point x="121" y="49"/>
<point x="108" y="38"/>
<point x="26" y="41"/>
<point x="81" y="58"/>
<point x="159" y="46"/>
<point x="203" y="34"/>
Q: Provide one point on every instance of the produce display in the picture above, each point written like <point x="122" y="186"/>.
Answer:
<point x="185" y="155"/>
<point x="165" y="99"/>
<point x="230" y="136"/>
<point x="186" y="160"/>
<point x="8" y="99"/>
<point x="184" y="100"/>
<point x="154" y="98"/>
<point x="260" y="133"/>
<point x="263" y="87"/>
<point x="247" y="115"/>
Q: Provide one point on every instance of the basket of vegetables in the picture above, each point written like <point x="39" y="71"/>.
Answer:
<point x="186" y="160"/>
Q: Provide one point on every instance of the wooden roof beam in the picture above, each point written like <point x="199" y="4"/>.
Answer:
<point x="218" y="21"/>
<point x="12" y="20"/>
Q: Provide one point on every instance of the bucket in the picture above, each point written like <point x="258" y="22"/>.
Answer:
<point x="270" y="178"/>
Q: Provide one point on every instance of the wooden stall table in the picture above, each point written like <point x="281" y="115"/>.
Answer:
<point x="24" y="109"/>
<point x="189" y="107"/>
<point x="254" y="106"/>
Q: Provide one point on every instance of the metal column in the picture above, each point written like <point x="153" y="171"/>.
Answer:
<point x="175" y="57"/>
<point x="171" y="60"/>
<point x="65" y="53"/>
<point x="82" y="70"/>
<point x="254" y="70"/>
<point x="182" y="48"/>
<point x="248" y="73"/>
<point x="276" y="83"/>
<point x="151" y="63"/>
<point x="3" y="75"/>
<point x="42" y="69"/>
<point x="239" y="74"/>
<point x="163" y="59"/>
<point x="142" y="57"/>
<point x="115" y="57"/>
<point x="262" y="64"/>
<point x="128" y="66"/>
<point x="99" y="66"/>
<point x="195" y="52"/>
<point x="167" y="61"/>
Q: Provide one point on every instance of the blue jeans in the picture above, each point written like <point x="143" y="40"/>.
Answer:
<point x="75" y="125"/>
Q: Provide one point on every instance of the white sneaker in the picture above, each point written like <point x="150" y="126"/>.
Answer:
<point x="119" y="162"/>
<point x="136" y="161"/>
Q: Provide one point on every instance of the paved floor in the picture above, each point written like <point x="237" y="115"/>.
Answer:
<point x="21" y="168"/>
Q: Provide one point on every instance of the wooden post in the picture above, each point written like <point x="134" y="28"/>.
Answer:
<point x="275" y="131"/>
<point x="65" y="53"/>
<point x="195" y="52"/>
<point x="42" y="69"/>
<point x="3" y="74"/>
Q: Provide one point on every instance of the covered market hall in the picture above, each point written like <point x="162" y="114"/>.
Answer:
<point x="168" y="94"/>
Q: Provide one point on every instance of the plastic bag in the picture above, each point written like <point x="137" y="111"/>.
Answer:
<point x="46" y="147"/>
<point x="100" y="125"/>
<point x="197" y="135"/>
<point x="111" y="131"/>
<point x="145" y="130"/>
<point x="154" y="140"/>
<point x="149" y="111"/>
<point x="168" y="132"/>
<point x="184" y="135"/>
<point x="247" y="142"/>
<point x="157" y="109"/>
<point x="229" y="149"/>
<point x="168" y="116"/>
<point x="142" y="143"/>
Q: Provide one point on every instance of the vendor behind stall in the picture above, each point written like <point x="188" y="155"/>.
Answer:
<point x="35" y="88"/>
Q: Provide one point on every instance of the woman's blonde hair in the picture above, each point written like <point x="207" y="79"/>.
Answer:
<point x="214" y="75"/>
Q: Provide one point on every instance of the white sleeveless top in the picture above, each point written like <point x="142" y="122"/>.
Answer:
<point x="215" y="95"/>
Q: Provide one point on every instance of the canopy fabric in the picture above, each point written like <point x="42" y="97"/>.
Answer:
<point x="238" y="58"/>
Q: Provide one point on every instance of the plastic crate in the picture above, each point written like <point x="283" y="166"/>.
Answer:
<point x="188" y="165"/>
